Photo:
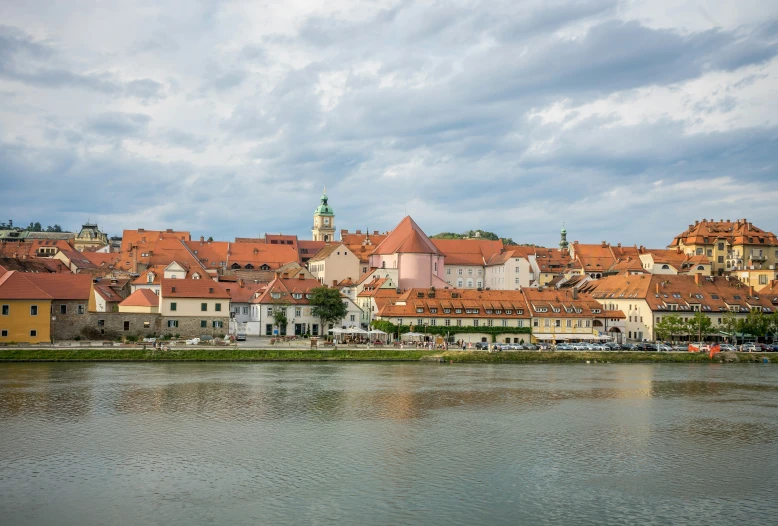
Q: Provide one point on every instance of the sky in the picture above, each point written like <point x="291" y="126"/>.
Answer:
<point x="625" y="120"/>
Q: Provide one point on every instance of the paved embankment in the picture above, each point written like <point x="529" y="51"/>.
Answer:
<point x="346" y="355"/>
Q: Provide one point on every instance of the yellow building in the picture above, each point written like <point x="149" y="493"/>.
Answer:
<point x="90" y="238"/>
<point x="24" y="310"/>
<point x="729" y="245"/>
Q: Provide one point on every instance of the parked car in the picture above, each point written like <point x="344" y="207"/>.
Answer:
<point x="726" y="347"/>
<point x="530" y="347"/>
<point x="240" y="337"/>
<point x="563" y="347"/>
<point x="748" y="347"/>
<point x="482" y="346"/>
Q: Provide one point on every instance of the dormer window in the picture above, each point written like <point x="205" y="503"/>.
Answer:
<point x="419" y="309"/>
<point x="488" y="311"/>
<point x="195" y="276"/>
<point x="275" y="295"/>
<point x="433" y="310"/>
<point x="150" y="278"/>
<point x="297" y="296"/>
<point x="509" y="311"/>
<point x="446" y="311"/>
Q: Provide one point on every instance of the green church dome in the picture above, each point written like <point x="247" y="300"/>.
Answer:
<point x="324" y="209"/>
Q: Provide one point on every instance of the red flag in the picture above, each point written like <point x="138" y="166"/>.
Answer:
<point x="714" y="349"/>
<point x="693" y="348"/>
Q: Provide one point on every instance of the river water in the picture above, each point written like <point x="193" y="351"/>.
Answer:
<point x="388" y="444"/>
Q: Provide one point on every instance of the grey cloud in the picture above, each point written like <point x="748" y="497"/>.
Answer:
<point x="145" y="89"/>
<point x="118" y="125"/>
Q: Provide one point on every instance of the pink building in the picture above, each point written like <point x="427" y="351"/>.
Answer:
<point x="418" y="261"/>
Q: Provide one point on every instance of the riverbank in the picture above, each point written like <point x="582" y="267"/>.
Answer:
<point x="350" y="355"/>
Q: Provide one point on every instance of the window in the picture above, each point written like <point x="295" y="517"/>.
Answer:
<point x="721" y="259"/>
<point x="721" y="246"/>
<point x="203" y="307"/>
<point x="470" y="283"/>
<point x="126" y="325"/>
<point x="460" y="271"/>
<point x="298" y="311"/>
<point x="433" y="322"/>
<point x="535" y="322"/>
<point x="516" y="281"/>
<point x="218" y="324"/>
<point x="101" y="323"/>
<point x="172" y="323"/>
<point x="588" y="323"/>
<point x="419" y="321"/>
<point x="63" y="309"/>
<point x="352" y="317"/>
<point x="448" y="271"/>
<point x="699" y="251"/>
<point x="419" y="309"/>
<point x="446" y="311"/>
<point x="557" y="323"/>
<point x="546" y="323"/>
<point x="460" y="282"/>
<point x="4" y="333"/>
<point x="245" y="310"/>
<point x="763" y="279"/>
<point x="459" y="323"/>
<point x="447" y="322"/>
<point x="218" y="307"/>
<point x="203" y="324"/>
<point x="520" y="323"/>
<point x="269" y="329"/>
<point x="458" y="311"/>
<point x="33" y="310"/>
<point x="81" y="309"/>
<point x="569" y="323"/>
<point x="173" y="305"/>
<point x="33" y="333"/>
<point x="475" y="323"/>
<point x="146" y="324"/>
<point x="6" y="310"/>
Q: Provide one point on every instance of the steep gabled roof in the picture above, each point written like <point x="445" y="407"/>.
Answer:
<point x="407" y="237"/>
<point x="64" y="286"/>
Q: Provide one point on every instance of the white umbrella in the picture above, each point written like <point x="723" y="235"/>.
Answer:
<point x="337" y="330"/>
<point x="356" y="330"/>
<point x="376" y="331"/>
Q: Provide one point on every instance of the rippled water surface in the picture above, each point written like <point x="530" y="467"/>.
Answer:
<point x="388" y="444"/>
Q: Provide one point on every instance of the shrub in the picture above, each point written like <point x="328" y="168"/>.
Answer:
<point x="77" y="338"/>
<point x="178" y="336"/>
<point x="132" y="338"/>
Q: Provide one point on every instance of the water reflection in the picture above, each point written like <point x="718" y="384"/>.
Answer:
<point x="386" y="443"/>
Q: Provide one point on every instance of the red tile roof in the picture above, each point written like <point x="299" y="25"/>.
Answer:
<point x="141" y="298"/>
<point x="468" y="251"/>
<point x="192" y="288"/>
<point x="407" y="237"/>
<point x="16" y="286"/>
<point x="64" y="286"/>
<point x="737" y="232"/>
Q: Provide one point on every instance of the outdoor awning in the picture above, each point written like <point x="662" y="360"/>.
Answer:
<point x="543" y="336"/>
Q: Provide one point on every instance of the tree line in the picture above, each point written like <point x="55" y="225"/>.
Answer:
<point x="756" y="323"/>
<point x="471" y="234"/>
<point x="32" y="227"/>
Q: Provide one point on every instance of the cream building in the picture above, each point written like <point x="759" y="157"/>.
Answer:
<point x="333" y="264"/>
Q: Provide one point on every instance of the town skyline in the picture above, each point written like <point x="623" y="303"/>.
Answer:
<point x="510" y="117"/>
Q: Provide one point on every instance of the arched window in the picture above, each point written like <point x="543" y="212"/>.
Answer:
<point x="700" y="267"/>
<point x="249" y="266"/>
<point x="479" y="284"/>
<point x="665" y="267"/>
<point x="470" y="283"/>
<point x="235" y="266"/>
<point x="460" y="282"/>
<point x="150" y="278"/>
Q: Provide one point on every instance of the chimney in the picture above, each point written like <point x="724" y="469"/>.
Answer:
<point x="202" y="239"/>
<point x="657" y="288"/>
<point x="300" y="276"/>
<point x="240" y="282"/>
<point x="697" y="279"/>
<point x="359" y="231"/>
<point x="751" y="290"/>
<point x="169" y="230"/>
<point x="575" y="293"/>
<point x="141" y="231"/>
<point x="619" y="245"/>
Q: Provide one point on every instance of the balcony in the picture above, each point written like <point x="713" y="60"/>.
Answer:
<point x="758" y="257"/>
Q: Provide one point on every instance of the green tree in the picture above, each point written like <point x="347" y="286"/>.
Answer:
<point x="280" y="317"/>
<point x="756" y="323"/>
<point x="700" y="325"/>
<point x="729" y="325"/>
<point x="328" y="306"/>
<point x="671" y="325"/>
<point x="55" y="228"/>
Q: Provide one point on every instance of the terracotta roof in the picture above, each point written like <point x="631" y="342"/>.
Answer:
<point x="192" y="288"/>
<point x="738" y="232"/>
<point x="102" y="258"/>
<point x="714" y="293"/>
<point x="141" y="298"/>
<point x="325" y="252"/>
<point x="453" y="299"/>
<point x="64" y="286"/>
<point x="34" y="265"/>
<point x="407" y="237"/>
<point x="16" y="286"/>
<point x="286" y="287"/>
<point x="107" y="293"/>
<point x="468" y="251"/>
<point x="242" y="291"/>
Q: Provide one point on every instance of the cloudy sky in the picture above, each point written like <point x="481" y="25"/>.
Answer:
<point x="627" y="120"/>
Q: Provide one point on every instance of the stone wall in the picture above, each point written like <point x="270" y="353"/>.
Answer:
<point x="111" y="325"/>
<point x="189" y="326"/>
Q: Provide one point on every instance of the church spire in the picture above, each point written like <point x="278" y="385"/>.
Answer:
<point x="563" y="244"/>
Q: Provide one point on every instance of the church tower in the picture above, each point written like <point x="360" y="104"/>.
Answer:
<point x="324" y="221"/>
<point x="563" y="244"/>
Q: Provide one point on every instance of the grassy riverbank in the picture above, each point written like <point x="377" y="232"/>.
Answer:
<point x="347" y="355"/>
